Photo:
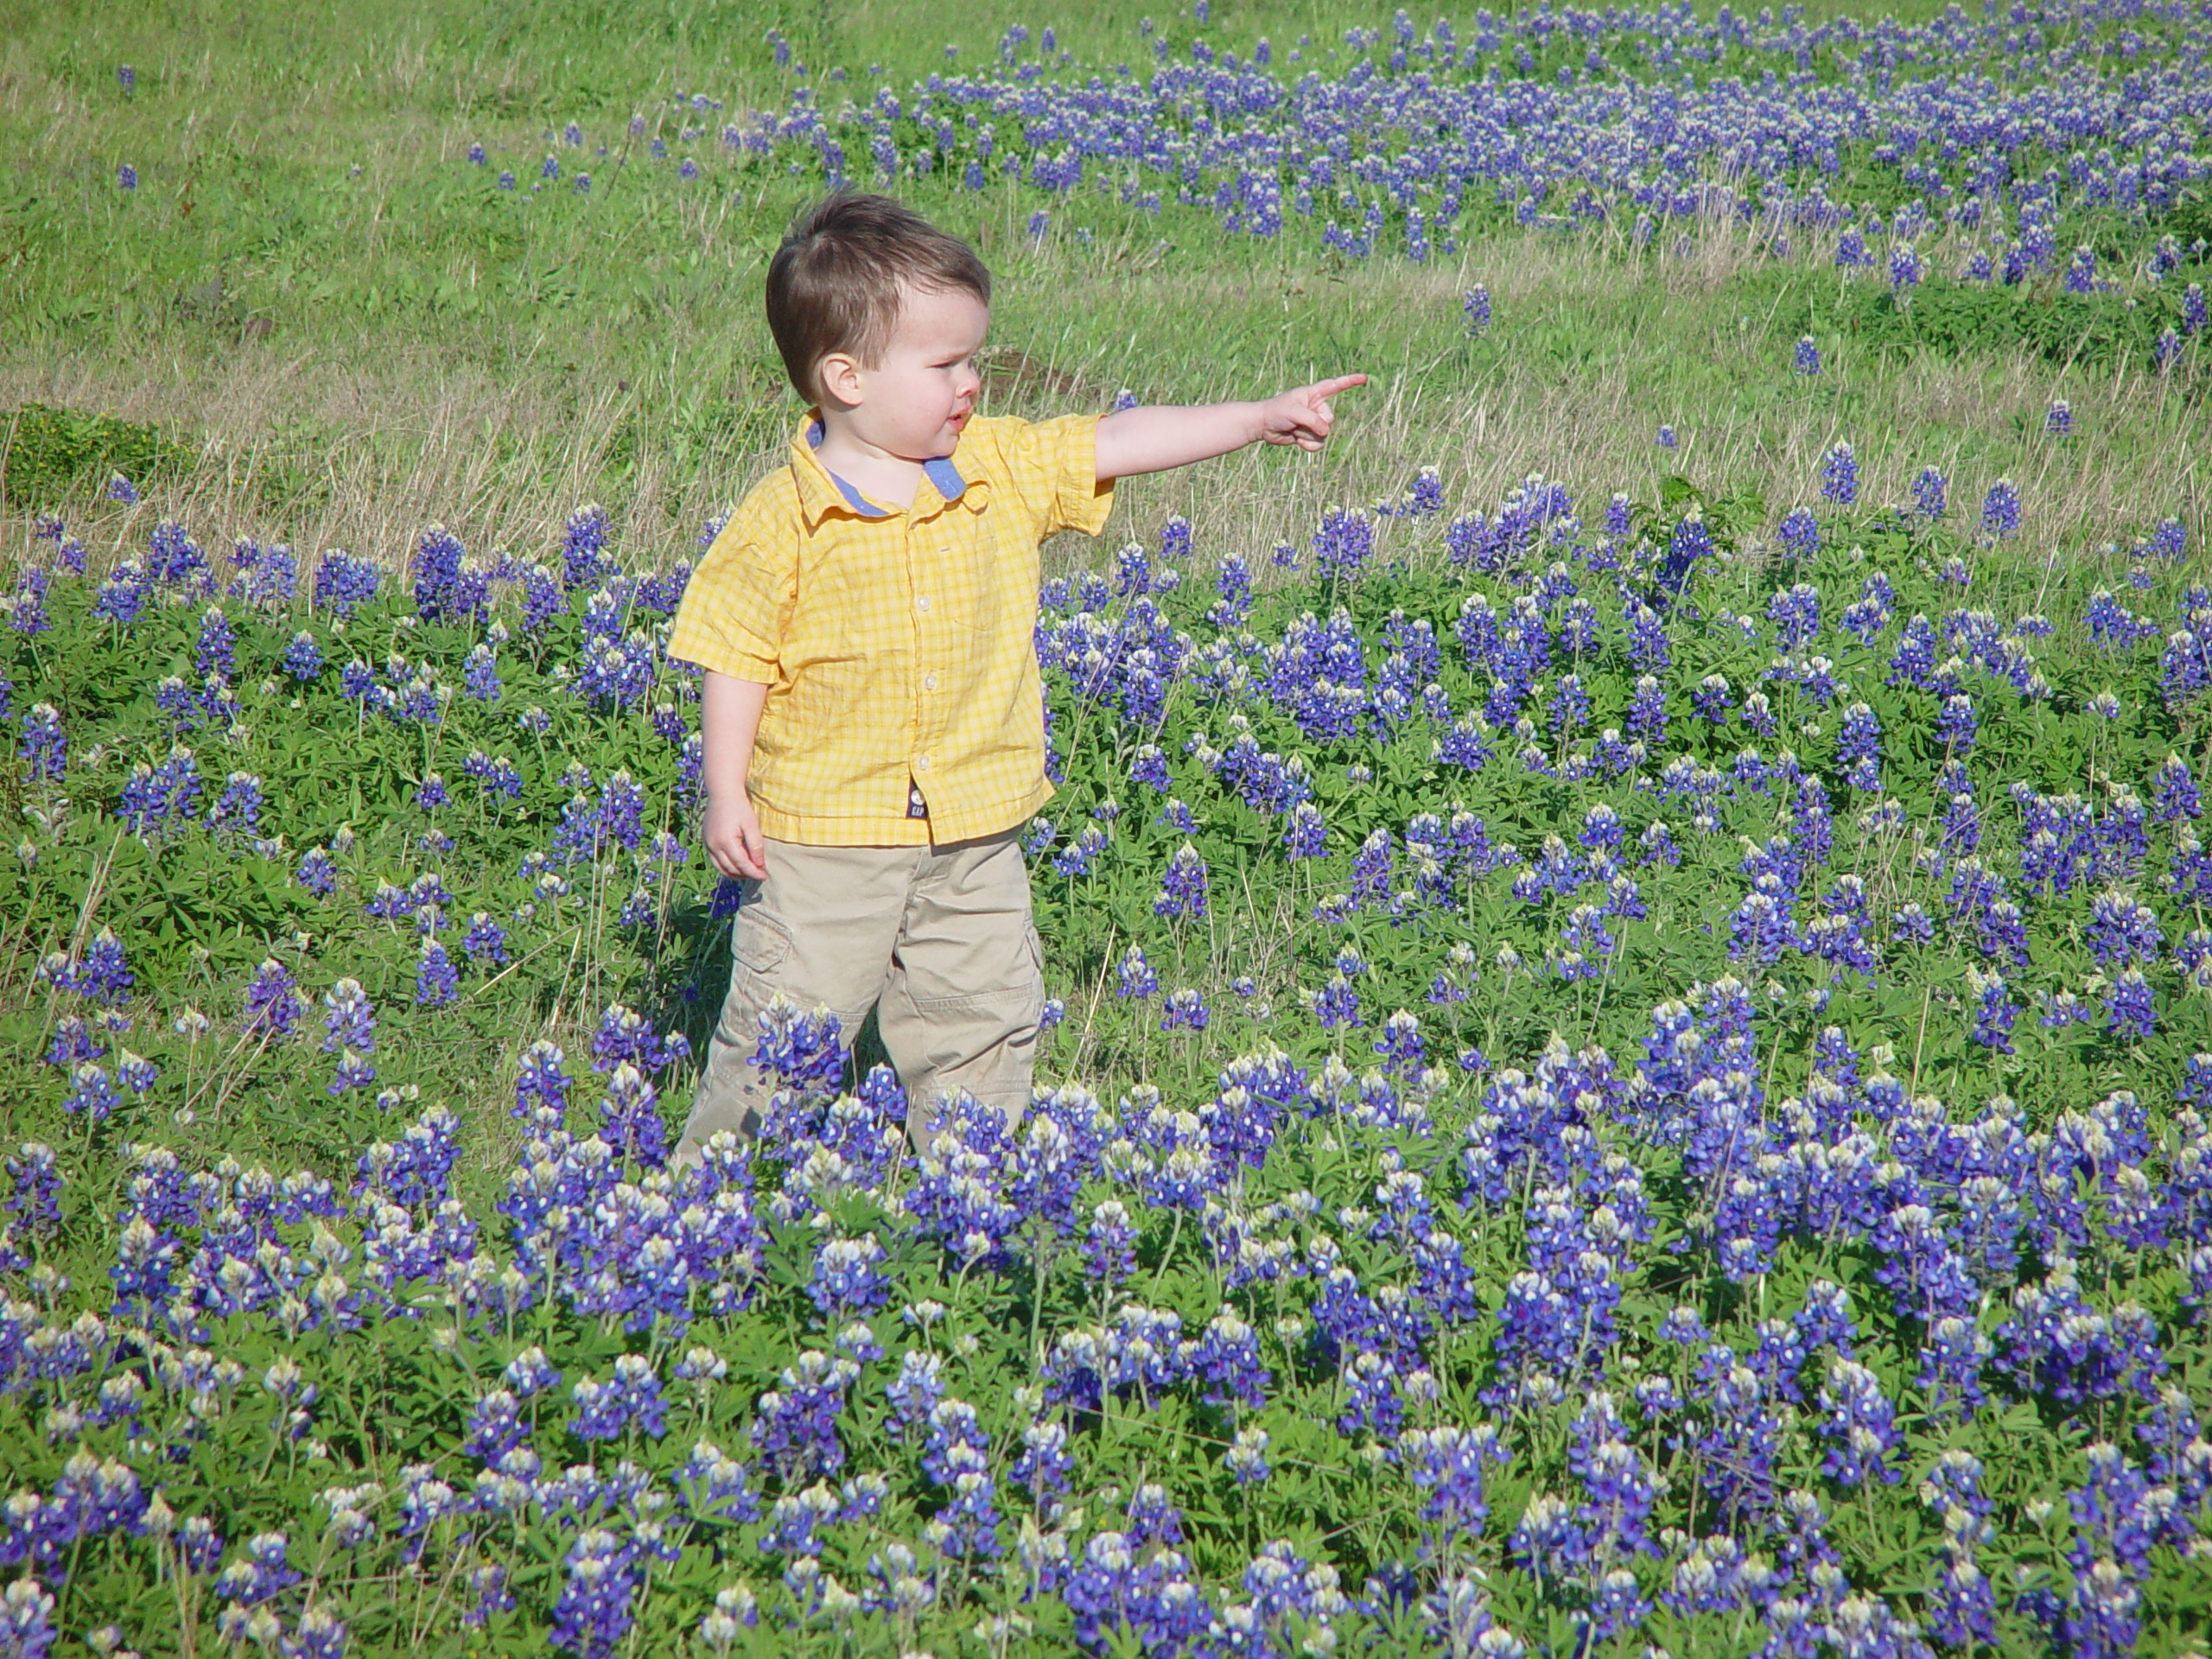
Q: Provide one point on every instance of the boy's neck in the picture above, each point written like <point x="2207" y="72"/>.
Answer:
<point x="886" y="479"/>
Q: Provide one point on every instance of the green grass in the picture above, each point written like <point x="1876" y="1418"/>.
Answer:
<point x="343" y="357"/>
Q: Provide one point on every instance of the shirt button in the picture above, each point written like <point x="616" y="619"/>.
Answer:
<point x="921" y="763"/>
<point x="929" y="682"/>
<point x="922" y="603"/>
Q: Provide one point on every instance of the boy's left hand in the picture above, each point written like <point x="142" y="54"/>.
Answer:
<point x="1304" y="416"/>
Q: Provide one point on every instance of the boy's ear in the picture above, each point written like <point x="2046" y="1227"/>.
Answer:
<point x="839" y="376"/>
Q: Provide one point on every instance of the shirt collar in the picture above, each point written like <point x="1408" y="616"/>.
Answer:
<point x="821" y="491"/>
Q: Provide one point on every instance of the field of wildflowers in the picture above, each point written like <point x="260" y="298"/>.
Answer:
<point x="1629" y="1053"/>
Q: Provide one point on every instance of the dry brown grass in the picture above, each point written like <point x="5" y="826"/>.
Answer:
<point x="361" y="442"/>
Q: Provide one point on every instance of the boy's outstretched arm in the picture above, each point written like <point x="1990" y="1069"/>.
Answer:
<point x="1152" y="440"/>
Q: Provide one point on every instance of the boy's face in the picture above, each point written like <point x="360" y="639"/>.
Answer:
<point x="916" y="400"/>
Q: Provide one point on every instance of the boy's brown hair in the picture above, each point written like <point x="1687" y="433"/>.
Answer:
<point x="833" y="285"/>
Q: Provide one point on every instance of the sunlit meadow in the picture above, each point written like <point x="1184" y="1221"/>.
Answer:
<point x="1631" y="1021"/>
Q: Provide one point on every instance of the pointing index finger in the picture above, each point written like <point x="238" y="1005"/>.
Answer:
<point x="1330" y="388"/>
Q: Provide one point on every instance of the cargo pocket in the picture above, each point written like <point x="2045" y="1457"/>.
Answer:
<point x="1036" y="945"/>
<point x="759" y="942"/>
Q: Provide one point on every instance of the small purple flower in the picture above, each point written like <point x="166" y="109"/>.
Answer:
<point x="273" y="1001"/>
<point x="1474" y="306"/>
<point x="2130" y="1009"/>
<point x="437" y="981"/>
<point x="2001" y="511"/>
<point x="1182" y="889"/>
<point x="1840" y="475"/>
<point x="1136" y="977"/>
<point x="486" y="941"/>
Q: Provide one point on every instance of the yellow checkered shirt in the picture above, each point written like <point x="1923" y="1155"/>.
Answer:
<point x="899" y="647"/>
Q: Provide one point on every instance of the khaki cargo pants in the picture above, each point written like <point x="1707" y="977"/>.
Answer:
<point x="937" y="939"/>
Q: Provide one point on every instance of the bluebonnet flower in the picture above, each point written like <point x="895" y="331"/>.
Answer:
<point x="847" y="1277"/>
<point x="1799" y="533"/>
<point x="90" y="1092"/>
<point x="350" y="1023"/>
<point x="1807" y="358"/>
<point x="584" y="543"/>
<point x="1904" y="267"/>
<point x="1304" y="834"/>
<point x="1184" y="1010"/>
<point x="2055" y="1345"/>
<point x="1117" y="1587"/>
<point x="343" y="583"/>
<point x="1858" y="1423"/>
<point x="73" y="1042"/>
<point x="437" y="981"/>
<point x="1134" y="976"/>
<point x="261" y="1573"/>
<point x="1955" y="723"/>
<point x="486" y="941"/>
<point x="2001" y="511"/>
<point x="1840" y="475"/>
<point x="594" y="1611"/>
<point x="2121" y="931"/>
<point x="1371" y="868"/>
<point x="480" y="674"/>
<point x="2058" y="419"/>
<point x="1182" y="889"/>
<point x="26" y="607"/>
<point x="1246" y="1458"/>
<point x="1149" y="766"/>
<point x="1342" y="545"/>
<point x="1962" y="1609"/>
<point x="1797" y="614"/>
<point x="273" y="1001"/>
<point x="1077" y="857"/>
<point x="2130" y="1009"/>
<point x="631" y="1398"/>
<point x="1474" y="306"/>
<point x="1667" y="440"/>
<point x="803" y="1050"/>
<point x="630" y="1118"/>
<point x="2174" y="793"/>
<point x="302" y="659"/>
<point x="1109" y="1244"/>
<point x="1446" y="1465"/>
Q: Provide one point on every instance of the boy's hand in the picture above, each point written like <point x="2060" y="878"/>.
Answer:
<point x="733" y="837"/>
<point x="1152" y="440"/>
<point x="1303" y="416"/>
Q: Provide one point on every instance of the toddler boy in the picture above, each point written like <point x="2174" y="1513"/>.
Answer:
<point x="872" y="716"/>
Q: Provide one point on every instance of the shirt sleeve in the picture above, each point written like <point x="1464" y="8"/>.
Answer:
<point x="737" y="608"/>
<point x="1057" y="463"/>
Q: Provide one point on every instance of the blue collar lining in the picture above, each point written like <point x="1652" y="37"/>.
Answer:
<point x="939" y="469"/>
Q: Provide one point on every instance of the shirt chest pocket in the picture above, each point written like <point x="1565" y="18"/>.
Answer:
<point x="852" y="594"/>
<point x="965" y="561"/>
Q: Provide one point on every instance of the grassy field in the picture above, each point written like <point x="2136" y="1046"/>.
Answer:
<point x="348" y="334"/>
